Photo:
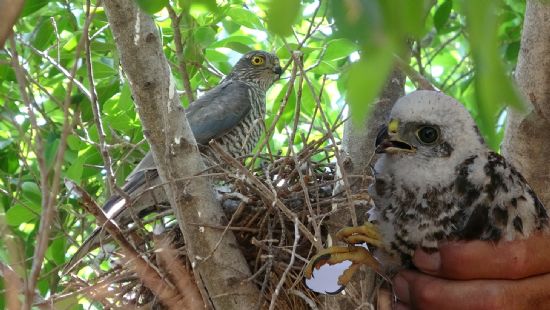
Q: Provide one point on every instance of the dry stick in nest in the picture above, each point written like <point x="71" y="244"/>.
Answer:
<point x="182" y="278"/>
<point x="270" y="184"/>
<point x="324" y="120"/>
<point x="166" y="292"/>
<point x="287" y="270"/>
<point x="263" y="191"/>
<point x="270" y="257"/>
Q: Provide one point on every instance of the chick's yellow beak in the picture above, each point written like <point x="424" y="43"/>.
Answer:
<point x="388" y="140"/>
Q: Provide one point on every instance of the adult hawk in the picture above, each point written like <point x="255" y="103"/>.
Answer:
<point x="232" y="113"/>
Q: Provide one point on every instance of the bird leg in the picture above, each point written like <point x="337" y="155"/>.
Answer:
<point x="366" y="233"/>
<point x="358" y="255"/>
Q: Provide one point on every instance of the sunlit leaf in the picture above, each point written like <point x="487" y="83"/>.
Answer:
<point x="44" y="36"/>
<point x="339" y="48"/>
<point x="281" y="15"/>
<point x="245" y="18"/>
<point x="152" y="6"/>
<point x="442" y="14"/>
<point x="493" y="86"/>
<point x="56" y="251"/>
<point x="32" y="6"/>
<point x="19" y="214"/>
<point x="51" y="148"/>
<point x="365" y="80"/>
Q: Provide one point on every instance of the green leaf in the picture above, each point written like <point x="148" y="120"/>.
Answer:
<point x="281" y="15"/>
<point x="238" y="47"/>
<point x="102" y="70"/>
<point x="51" y="148"/>
<point x="494" y="89"/>
<point x="441" y="15"/>
<point x="74" y="143"/>
<point x="152" y="6"/>
<point x="205" y="36"/>
<point x="413" y="17"/>
<point x="366" y="79"/>
<point x="18" y="215"/>
<point x="107" y="89"/>
<point x="245" y="18"/>
<point x="56" y="251"/>
<point x="76" y="169"/>
<point x="9" y="162"/>
<point x="44" y="36"/>
<point x="339" y="48"/>
<point x="327" y="67"/>
<point x="512" y="51"/>
<point x="31" y="192"/>
<point x="4" y="143"/>
<point x="7" y="73"/>
<point x="32" y="6"/>
<point x="202" y="7"/>
<point x="226" y="42"/>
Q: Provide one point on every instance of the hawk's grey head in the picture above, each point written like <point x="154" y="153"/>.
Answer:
<point x="428" y="135"/>
<point x="259" y="67"/>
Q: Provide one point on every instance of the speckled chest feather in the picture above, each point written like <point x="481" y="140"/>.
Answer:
<point x="486" y="200"/>
<point x="242" y="139"/>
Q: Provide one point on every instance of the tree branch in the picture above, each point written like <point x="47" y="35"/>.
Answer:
<point x="526" y="136"/>
<point x="176" y="156"/>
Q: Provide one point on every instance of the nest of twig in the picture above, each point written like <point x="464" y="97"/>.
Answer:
<point x="275" y="249"/>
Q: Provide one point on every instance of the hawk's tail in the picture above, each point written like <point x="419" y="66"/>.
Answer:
<point x="90" y="244"/>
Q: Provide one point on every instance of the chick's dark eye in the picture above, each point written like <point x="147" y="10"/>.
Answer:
<point x="427" y="134"/>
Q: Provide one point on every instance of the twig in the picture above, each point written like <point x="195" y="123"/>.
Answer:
<point x="308" y="300"/>
<point x="49" y="191"/>
<point x="97" y="115"/>
<point x="263" y="190"/>
<point x="458" y="79"/>
<point x="418" y="79"/>
<point x="297" y="57"/>
<point x="339" y="161"/>
<point x="270" y="256"/>
<point x="59" y="67"/>
<point x="442" y="46"/>
<point x="290" y="264"/>
<point x="145" y="271"/>
<point x="226" y="229"/>
<point x="182" y="66"/>
<point x="455" y="68"/>
<point x="183" y="279"/>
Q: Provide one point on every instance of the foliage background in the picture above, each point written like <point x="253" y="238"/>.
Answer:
<point x="467" y="49"/>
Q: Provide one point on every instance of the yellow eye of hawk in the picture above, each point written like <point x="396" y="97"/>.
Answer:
<point x="257" y="60"/>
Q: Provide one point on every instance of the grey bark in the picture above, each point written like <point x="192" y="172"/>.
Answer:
<point x="527" y="135"/>
<point x="358" y="144"/>
<point x="176" y="155"/>
<point x="358" y="140"/>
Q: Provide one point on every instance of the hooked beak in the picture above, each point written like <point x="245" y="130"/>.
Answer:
<point x="388" y="141"/>
<point x="278" y="70"/>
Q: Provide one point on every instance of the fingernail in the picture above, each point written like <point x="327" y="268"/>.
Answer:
<point x="401" y="288"/>
<point x="427" y="262"/>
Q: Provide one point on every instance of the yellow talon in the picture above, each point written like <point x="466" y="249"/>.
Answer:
<point x="357" y="255"/>
<point x="367" y="233"/>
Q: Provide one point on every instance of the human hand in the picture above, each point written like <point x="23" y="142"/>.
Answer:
<point x="479" y="275"/>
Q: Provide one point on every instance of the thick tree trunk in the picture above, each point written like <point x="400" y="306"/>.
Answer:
<point x="177" y="156"/>
<point x="357" y="151"/>
<point x="527" y="136"/>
